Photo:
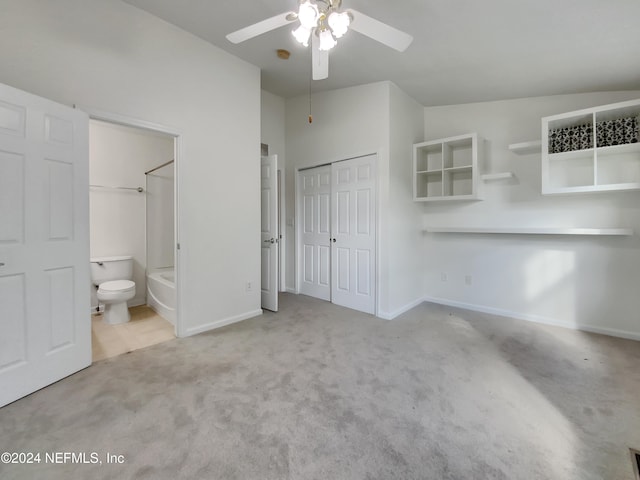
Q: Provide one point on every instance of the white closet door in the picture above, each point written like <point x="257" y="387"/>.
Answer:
<point x="314" y="251"/>
<point x="353" y="214"/>
<point x="45" y="323"/>
<point x="269" y="232"/>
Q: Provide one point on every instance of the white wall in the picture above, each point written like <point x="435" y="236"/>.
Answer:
<point x="346" y="123"/>
<point x="402" y="258"/>
<point x="110" y="56"/>
<point x="119" y="156"/>
<point x="376" y="118"/>
<point x="585" y="282"/>
<point x="272" y="124"/>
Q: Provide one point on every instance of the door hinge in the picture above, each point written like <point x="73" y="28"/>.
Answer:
<point x="178" y="246"/>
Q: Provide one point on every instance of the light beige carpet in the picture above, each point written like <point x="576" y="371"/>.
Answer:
<point x="321" y="392"/>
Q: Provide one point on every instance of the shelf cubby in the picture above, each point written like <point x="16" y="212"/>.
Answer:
<point x="571" y="169"/>
<point x="429" y="184"/>
<point x="429" y="159"/>
<point x="618" y="165"/>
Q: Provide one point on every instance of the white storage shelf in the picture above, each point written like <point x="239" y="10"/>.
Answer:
<point x="599" y="155"/>
<point x="534" y="231"/>
<point x="446" y="169"/>
<point x="526" y="148"/>
<point x="497" y="176"/>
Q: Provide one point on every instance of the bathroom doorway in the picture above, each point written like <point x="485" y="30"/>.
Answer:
<point x="132" y="213"/>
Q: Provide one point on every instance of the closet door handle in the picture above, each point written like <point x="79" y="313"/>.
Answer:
<point x="333" y="240"/>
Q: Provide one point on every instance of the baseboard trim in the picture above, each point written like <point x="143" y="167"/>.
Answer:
<point x="396" y="313"/>
<point x="612" y="332"/>
<point x="291" y="290"/>
<point x="222" y="323"/>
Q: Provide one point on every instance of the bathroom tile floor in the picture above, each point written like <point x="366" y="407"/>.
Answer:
<point x="146" y="328"/>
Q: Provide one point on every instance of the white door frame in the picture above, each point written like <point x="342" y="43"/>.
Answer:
<point x="298" y="219"/>
<point x="282" y="244"/>
<point x="178" y="167"/>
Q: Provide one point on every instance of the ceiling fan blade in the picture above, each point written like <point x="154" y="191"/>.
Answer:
<point x="319" y="60"/>
<point x="381" y="32"/>
<point x="259" y="28"/>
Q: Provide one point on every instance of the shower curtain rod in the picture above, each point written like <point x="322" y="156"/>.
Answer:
<point x="137" y="189"/>
<point x="159" y="167"/>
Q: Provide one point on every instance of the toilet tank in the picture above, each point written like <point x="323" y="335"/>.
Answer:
<point x="105" y="269"/>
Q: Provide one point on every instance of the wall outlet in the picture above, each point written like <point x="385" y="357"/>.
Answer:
<point x="249" y="287"/>
<point x="468" y="279"/>
<point x="443" y="277"/>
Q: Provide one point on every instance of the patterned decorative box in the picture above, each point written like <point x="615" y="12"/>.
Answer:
<point x="608" y="132"/>
<point x="617" y="132"/>
<point x="577" y="137"/>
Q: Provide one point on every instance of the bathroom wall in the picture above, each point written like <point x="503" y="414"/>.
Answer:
<point x="119" y="156"/>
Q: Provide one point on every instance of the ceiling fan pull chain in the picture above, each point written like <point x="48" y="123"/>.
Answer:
<point x="310" y="116"/>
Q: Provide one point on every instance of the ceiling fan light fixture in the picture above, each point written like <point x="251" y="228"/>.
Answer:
<point x="302" y="35"/>
<point x="308" y="14"/>
<point x="339" y="23"/>
<point x="327" y="42"/>
<point x="326" y="22"/>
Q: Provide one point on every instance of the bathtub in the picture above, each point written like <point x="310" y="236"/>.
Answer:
<point x="161" y="293"/>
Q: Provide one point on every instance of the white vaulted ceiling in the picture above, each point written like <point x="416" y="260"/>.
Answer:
<point x="463" y="50"/>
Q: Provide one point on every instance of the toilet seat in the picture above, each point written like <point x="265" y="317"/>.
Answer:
<point x="121" y="290"/>
<point x="121" y="286"/>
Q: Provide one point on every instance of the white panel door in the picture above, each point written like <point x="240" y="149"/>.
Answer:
<point x="353" y="214"/>
<point x="269" y="232"/>
<point x="45" y="323"/>
<point x="314" y="250"/>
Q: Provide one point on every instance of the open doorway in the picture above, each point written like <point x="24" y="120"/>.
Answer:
<point x="132" y="221"/>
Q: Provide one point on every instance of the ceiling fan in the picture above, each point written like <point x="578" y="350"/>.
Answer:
<point x="324" y="23"/>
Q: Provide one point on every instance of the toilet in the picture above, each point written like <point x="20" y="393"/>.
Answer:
<point x="112" y="276"/>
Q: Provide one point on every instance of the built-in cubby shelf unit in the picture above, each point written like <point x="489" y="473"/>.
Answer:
<point x="446" y="169"/>
<point x="592" y="150"/>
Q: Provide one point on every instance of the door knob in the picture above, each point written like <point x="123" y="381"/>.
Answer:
<point x="334" y="240"/>
<point x="270" y="241"/>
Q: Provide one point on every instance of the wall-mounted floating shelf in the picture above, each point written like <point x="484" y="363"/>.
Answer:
<point x="534" y="231"/>
<point x="526" y="148"/>
<point x="497" y="176"/>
